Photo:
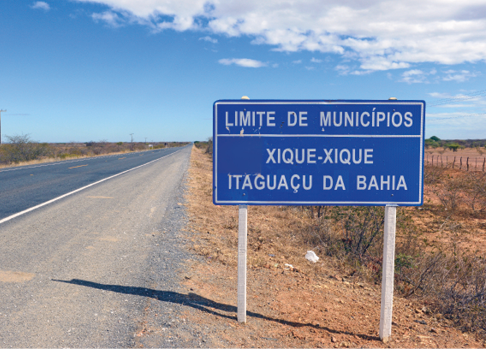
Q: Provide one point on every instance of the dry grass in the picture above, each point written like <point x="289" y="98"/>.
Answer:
<point x="277" y="229"/>
<point x="281" y="235"/>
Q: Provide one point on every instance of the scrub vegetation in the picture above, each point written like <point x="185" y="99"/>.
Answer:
<point x="455" y="144"/>
<point x="440" y="270"/>
<point x="21" y="149"/>
<point x="434" y="261"/>
<point x="206" y="146"/>
<point x="433" y="266"/>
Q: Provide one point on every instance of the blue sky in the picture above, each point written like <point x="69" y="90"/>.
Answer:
<point x="82" y="70"/>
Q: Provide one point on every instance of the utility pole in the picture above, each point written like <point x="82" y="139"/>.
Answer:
<point x="145" y="140"/>
<point x="131" y="134"/>
<point x="1" y="125"/>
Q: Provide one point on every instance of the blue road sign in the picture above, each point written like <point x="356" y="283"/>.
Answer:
<point x="343" y="152"/>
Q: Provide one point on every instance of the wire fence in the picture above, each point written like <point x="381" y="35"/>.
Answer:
<point x="465" y="163"/>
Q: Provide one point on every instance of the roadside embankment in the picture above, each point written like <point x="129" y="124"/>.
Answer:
<point x="291" y="301"/>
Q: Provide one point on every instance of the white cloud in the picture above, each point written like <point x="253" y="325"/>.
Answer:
<point x="461" y="115"/>
<point x="209" y="39"/>
<point x="343" y="69"/>
<point x="361" y="72"/>
<point x="470" y="99"/>
<point x="315" y="60"/>
<point x="416" y="76"/>
<point x="458" y="76"/>
<point x="41" y="5"/>
<point x="243" y="62"/>
<point x="439" y="95"/>
<point x="459" y="118"/>
<point x="111" y="18"/>
<point x="456" y="125"/>
<point x="376" y="34"/>
<point x="297" y="62"/>
<point x="455" y="106"/>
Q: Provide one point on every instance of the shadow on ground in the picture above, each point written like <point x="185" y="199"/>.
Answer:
<point x="198" y="302"/>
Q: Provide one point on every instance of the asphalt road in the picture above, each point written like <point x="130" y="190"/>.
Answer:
<point x="85" y="270"/>
<point x="27" y="186"/>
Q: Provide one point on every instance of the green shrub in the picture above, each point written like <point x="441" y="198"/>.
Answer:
<point x="453" y="146"/>
<point x="431" y="143"/>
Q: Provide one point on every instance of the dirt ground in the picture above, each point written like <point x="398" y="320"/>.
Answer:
<point x="291" y="301"/>
<point x="471" y="152"/>
<point x="467" y="234"/>
<point x="466" y="229"/>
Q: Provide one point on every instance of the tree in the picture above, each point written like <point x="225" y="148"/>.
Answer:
<point x="453" y="146"/>
<point x="435" y="138"/>
<point x="431" y="143"/>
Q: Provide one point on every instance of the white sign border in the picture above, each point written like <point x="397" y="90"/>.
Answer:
<point x="317" y="203"/>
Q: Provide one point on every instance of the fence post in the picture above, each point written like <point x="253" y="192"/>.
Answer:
<point x="484" y="163"/>
<point x="467" y="163"/>
<point x="460" y="163"/>
<point x="454" y="162"/>
<point x="432" y="160"/>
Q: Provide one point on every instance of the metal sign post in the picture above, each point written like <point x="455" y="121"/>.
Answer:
<point x="388" y="272"/>
<point x="242" y="253"/>
<point x="242" y="248"/>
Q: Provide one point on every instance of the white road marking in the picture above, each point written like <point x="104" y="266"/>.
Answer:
<point x="70" y="168"/>
<point x="78" y="190"/>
